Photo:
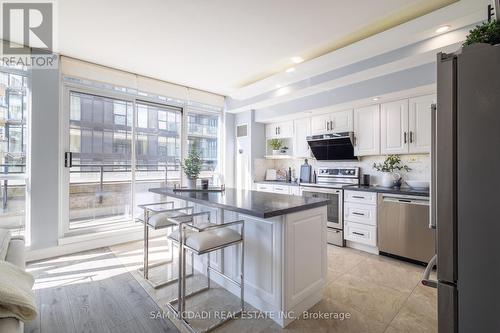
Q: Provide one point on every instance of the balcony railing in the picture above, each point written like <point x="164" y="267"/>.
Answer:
<point x="101" y="169"/>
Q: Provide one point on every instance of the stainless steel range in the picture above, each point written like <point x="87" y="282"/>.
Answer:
<point x="330" y="182"/>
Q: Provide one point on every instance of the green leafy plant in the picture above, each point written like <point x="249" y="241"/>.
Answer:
<point x="192" y="164"/>
<point x="392" y="163"/>
<point x="488" y="32"/>
<point x="275" y="144"/>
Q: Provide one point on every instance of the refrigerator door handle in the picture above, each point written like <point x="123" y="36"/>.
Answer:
<point x="425" y="279"/>
<point x="433" y="194"/>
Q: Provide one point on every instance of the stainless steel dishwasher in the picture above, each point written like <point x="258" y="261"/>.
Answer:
<point x="403" y="227"/>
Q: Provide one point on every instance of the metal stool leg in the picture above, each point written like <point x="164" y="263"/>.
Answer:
<point x="146" y="266"/>
<point x="208" y="270"/>
<point x="146" y="245"/>
<point x="242" y="269"/>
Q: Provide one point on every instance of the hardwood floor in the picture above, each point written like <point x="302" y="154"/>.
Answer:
<point x="91" y="292"/>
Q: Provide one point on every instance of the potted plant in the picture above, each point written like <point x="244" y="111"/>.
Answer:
<point x="192" y="167"/>
<point x="486" y="33"/>
<point x="275" y="145"/>
<point x="391" y="164"/>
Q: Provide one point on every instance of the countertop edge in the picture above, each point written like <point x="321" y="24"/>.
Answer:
<point x="379" y="189"/>
<point x="276" y="182"/>
<point x="244" y="211"/>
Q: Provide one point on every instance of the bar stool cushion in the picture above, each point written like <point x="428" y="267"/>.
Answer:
<point x="160" y="220"/>
<point x="205" y="240"/>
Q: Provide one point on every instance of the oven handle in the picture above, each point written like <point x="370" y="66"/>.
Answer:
<point x="320" y="190"/>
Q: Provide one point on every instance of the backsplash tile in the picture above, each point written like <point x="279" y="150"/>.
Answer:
<point x="420" y="166"/>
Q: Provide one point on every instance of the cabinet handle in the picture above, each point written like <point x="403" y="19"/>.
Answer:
<point x="357" y="197"/>
<point x="359" y="214"/>
<point x="279" y="130"/>
<point x="354" y="140"/>
<point x="276" y="130"/>
<point x="358" y="233"/>
<point x="331" y="125"/>
<point x="327" y="126"/>
<point x="405" y="137"/>
<point x="411" y="136"/>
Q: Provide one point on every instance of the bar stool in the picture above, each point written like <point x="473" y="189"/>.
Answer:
<point x="156" y="217"/>
<point x="200" y="239"/>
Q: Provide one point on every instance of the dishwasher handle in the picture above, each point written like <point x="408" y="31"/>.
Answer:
<point x="405" y="200"/>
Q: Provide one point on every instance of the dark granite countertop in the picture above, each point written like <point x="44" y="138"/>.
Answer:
<point x="392" y="190"/>
<point x="276" y="182"/>
<point x="253" y="203"/>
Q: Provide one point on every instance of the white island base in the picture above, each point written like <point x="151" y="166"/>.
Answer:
<point x="285" y="262"/>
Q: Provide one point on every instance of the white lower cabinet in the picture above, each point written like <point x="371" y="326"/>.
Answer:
<point x="360" y="220"/>
<point x="360" y="233"/>
<point x="360" y="213"/>
<point x="282" y="189"/>
<point x="295" y="190"/>
<point x="265" y="188"/>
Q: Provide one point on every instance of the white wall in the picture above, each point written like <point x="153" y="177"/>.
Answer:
<point x="45" y="161"/>
<point x="229" y="148"/>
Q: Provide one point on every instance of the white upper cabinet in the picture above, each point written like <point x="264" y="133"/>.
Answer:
<point x="394" y="134"/>
<point x="302" y="129"/>
<point x="420" y="123"/>
<point x="319" y="124"/>
<point x="271" y="131"/>
<point x="280" y="130"/>
<point x="342" y="121"/>
<point x="367" y="131"/>
<point x="335" y="122"/>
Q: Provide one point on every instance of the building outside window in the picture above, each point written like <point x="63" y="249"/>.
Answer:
<point x="13" y="146"/>
<point x="101" y="191"/>
<point x="203" y="135"/>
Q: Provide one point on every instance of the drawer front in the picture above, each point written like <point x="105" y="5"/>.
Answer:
<point x="369" y="198"/>
<point x="335" y="237"/>
<point x="360" y="213"/>
<point x="361" y="233"/>
<point x="264" y="188"/>
<point x="281" y="189"/>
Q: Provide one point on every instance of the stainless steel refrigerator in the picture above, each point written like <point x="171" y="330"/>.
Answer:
<point x="465" y="193"/>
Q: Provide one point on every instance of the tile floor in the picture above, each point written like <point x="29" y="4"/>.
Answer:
<point x="381" y="294"/>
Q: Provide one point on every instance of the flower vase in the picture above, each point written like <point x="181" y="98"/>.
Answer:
<point x="191" y="183"/>
<point x="387" y="179"/>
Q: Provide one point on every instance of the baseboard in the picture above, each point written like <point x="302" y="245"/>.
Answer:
<point x="362" y="247"/>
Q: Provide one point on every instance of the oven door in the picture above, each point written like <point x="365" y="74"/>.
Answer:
<point x="334" y="207"/>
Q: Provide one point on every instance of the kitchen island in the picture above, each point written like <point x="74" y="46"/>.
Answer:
<point x="285" y="247"/>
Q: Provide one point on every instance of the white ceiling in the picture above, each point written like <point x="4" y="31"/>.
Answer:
<point x="214" y="45"/>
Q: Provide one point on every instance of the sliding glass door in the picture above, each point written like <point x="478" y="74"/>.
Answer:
<point x="118" y="148"/>
<point x="100" y="163"/>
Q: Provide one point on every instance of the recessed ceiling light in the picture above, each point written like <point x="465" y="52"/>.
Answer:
<point x="442" y="29"/>
<point x="375" y="99"/>
<point x="291" y="69"/>
<point x="296" y="60"/>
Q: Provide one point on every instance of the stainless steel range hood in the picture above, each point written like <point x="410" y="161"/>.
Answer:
<point x="333" y="147"/>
